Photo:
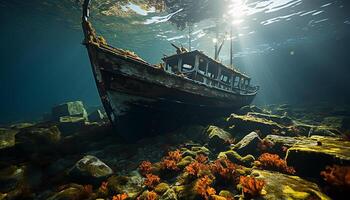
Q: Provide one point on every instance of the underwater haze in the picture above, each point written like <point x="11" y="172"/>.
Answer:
<point x="295" y="50"/>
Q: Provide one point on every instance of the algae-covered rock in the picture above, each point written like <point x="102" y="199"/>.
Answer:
<point x="282" y="186"/>
<point x="185" y="192"/>
<point x="131" y="185"/>
<point x="38" y="139"/>
<point x="217" y="138"/>
<point x="284" y="120"/>
<point x="248" y="144"/>
<point x="73" y="109"/>
<point x="11" y="177"/>
<point x="250" y="108"/>
<point x="311" y="155"/>
<point x="227" y="194"/>
<point x="244" y="124"/>
<point x="69" y="124"/>
<point x="7" y="138"/>
<point x="161" y="188"/>
<point x="90" y="168"/>
<point x="72" y="191"/>
<point x="185" y="161"/>
<point x="169" y="195"/>
<point x="236" y="158"/>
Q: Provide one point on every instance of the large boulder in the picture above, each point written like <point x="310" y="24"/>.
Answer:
<point x="69" y="124"/>
<point x="241" y="125"/>
<point x="282" y="186"/>
<point x="13" y="182"/>
<point x="38" y="139"/>
<point x="131" y="185"/>
<point x="218" y="139"/>
<point x="73" y="109"/>
<point x="284" y="120"/>
<point x="248" y="144"/>
<point x="72" y="191"/>
<point x="7" y="138"/>
<point x="311" y="155"/>
<point x="90" y="169"/>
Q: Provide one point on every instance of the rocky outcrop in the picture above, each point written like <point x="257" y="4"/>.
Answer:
<point x="90" y="169"/>
<point x="73" y="109"/>
<point x="282" y="186"/>
<point x="69" y="124"/>
<point x="248" y="144"/>
<point x="241" y="125"/>
<point x="284" y="120"/>
<point x="7" y="138"/>
<point x="218" y="139"/>
<point x="131" y="185"/>
<point x="12" y="182"/>
<point x="38" y="139"/>
<point x="311" y="155"/>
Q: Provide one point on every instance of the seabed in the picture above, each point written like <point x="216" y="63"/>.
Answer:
<point x="275" y="152"/>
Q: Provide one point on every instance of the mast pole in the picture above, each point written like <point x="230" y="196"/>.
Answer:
<point x="189" y="37"/>
<point x="216" y="42"/>
<point x="231" y="47"/>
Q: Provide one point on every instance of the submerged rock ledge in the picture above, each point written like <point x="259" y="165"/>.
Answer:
<point x="256" y="154"/>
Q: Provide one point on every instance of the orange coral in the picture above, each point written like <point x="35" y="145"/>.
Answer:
<point x="169" y="164"/>
<point x="201" y="158"/>
<point x="151" y="196"/>
<point x="120" y="196"/>
<point x="175" y="155"/>
<point x="104" y="187"/>
<point x="145" y="167"/>
<point x="195" y="167"/>
<point x="274" y="162"/>
<point x="203" y="189"/>
<point x="251" y="186"/>
<point x="170" y="161"/>
<point x="225" y="169"/>
<point x="337" y="175"/>
<point x="151" y="180"/>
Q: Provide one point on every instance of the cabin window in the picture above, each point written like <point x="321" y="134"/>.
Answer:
<point x="236" y="82"/>
<point x="187" y="67"/>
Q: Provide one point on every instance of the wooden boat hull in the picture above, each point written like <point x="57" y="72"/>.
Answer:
<point x="141" y="99"/>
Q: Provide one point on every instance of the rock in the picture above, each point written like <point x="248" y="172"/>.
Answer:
<point x="96" y="116"/>
<point x="161" y="188"/>
<point x="73" y="109"/>
<point x="250" y="108"/>
<point x="185" y="161"/>
<point x="38" y="139"/>
<point x="243" y="124"/>
<point x="337" y="122"/>
<point x="91" y="169"/>
<point x="72" y="191"/>
<point x="7" y="138"/>
<point x="21" y="125"/>
<point x="69" y="125"/>
<point x="281" y="143"/>
<point x="131" y="185"/>
<point x="218" y="139"/>
<point x="11" y="177"/>
<point x="248" y="144"/>
<point x="236" y="158"/>
<point x="311" y="155"/>
<point x="282" y="186"/>
<point x="284" y="120"/>
<point x="169" y="195"/>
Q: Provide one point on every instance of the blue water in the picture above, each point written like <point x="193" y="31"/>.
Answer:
<point x="296" y="50"/>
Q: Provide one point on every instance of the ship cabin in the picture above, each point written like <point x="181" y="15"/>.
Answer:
<point x="197" y="66"/>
